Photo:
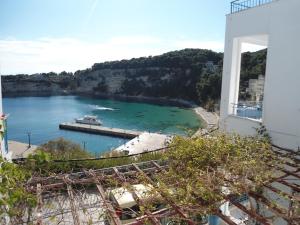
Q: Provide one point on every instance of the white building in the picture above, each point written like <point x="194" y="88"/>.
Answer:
<point x="210" y="66"/>
<point x="275" y="25"/>
<point x="256" y="88"/>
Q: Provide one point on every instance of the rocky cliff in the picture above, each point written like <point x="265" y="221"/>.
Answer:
<point x="171" y="75"/>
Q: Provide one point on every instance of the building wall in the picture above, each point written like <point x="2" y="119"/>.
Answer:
<point x="256" y="88"/>
<point x="1" y="110"/>
<point x="3" y="131"/>
<point x="277" y="25"/>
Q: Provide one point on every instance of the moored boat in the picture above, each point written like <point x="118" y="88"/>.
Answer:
<point x="90" y="120"/>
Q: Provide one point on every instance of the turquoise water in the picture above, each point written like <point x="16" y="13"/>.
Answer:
<point x="41" y="116"/>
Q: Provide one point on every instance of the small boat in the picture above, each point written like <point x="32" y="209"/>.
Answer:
<point x="90" y="120"/>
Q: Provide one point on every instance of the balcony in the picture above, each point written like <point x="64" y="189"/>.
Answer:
<point x="241" y="5"/>
<point x="248" y="109"/>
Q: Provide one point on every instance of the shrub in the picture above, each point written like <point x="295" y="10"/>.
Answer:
<point x="15" y="201"/>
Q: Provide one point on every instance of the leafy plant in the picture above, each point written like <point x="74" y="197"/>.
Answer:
<point x="203" y="169"/>
<point x="262" y="133"/>
<point x="56" y="157"/>
<point x="15" y="200"/>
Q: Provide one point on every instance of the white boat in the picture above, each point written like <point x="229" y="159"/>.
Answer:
<point x="90" y="120"/>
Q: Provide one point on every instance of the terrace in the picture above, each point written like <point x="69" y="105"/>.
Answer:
<point x="240" y="5"/>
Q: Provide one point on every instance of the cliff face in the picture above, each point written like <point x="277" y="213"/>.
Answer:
<point x="37" y="84"/>
<point x="171" y="75"/>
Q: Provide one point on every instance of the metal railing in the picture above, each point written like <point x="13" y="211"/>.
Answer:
<point x="240" y="5"/>
<point x="248" y="109"/>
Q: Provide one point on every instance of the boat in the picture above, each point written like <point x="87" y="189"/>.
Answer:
<point x="90" y="120"/>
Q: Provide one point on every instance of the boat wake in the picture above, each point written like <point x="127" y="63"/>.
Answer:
<point x="97" y="107"/>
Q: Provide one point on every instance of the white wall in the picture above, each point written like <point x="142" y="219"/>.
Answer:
<point x="3" y="141"/>
<point x="279" y="21"/>
<point x="1" y="110"/>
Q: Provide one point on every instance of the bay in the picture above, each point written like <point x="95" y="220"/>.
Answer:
<point x="40" y="116"/>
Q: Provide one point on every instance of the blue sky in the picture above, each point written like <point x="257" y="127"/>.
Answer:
<point x="56" y="35"/>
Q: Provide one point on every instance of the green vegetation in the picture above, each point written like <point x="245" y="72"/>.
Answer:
<point x="102" y="86"/>
<point x="187" y="58"/>
<point x="209" y="90"/>
<point x="15" y="200"/>
<point x="203" y="169"/>
<point x="200" y="169"/>
<point x="178" y="74"/>
<point x="252" y="65"/>
<point x="56" y="157"/>
<point x="189" y="77"/>
<point x="189" y="74"/>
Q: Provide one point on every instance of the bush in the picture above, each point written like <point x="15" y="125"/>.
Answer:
<point x="202" y="168"/>
<point x="15" y="199"/>
<point x="56" y="157"/>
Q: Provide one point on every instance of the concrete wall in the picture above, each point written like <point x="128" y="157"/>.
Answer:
<point x="276" y="25"/>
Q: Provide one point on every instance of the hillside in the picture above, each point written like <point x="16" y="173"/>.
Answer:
<point x="189" y="74"/>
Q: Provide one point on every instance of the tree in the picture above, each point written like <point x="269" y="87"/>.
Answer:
<point x="209" y="87"/>
<point x="102" y="86"/>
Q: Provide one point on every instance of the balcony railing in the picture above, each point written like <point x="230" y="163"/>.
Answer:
<point x="248" y="109"/>
<point x="240" y="5"/>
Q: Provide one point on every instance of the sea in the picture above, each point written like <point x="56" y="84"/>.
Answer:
<point x="39" y="119"/>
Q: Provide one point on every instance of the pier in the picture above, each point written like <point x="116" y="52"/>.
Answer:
<point x="116" y="132"/>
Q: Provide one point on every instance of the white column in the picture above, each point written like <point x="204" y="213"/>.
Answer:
<point x="1" y="110"/>
<point x="231" y="76"/>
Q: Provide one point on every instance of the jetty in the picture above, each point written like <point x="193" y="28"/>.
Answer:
<point x="115" y="132"/>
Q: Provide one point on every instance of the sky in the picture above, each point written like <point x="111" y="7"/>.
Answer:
<point x="67" y="35"/>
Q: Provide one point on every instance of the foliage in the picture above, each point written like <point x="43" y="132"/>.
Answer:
<point x="210" y="105"/>
<point x="201" y="170"/>
<point x="209" y="89"/>
<point x="64" y="149"/>
<point x="41" y="162"/>
<point x="56" y="157"/>
<point x="253" y="64"/>
<point x="15" y="199"/>
<point x="262" y="133"/>
<point x="133" y="86"/>
<point x="179" y="74"/>
<point x="102" y="86"/>
<point x="38" y="161"/>
<point x="181" y="59"/>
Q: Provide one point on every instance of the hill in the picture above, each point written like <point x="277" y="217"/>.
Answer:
<point x="190" y="74"/>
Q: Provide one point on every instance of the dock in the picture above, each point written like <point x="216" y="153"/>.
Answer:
<point x="115" y="132"/>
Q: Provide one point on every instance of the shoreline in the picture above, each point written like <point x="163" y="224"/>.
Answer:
<point x="208" y="119"/>
<point x="129" y="98"/>
<point x="211" y="120"/>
